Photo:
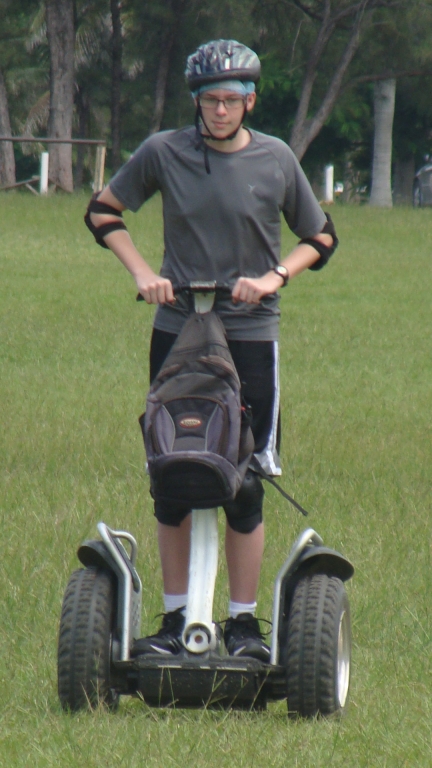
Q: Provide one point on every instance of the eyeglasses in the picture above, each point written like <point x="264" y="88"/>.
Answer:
<point x="211" y="102"/>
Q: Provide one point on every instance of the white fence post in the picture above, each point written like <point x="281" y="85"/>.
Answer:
<point x="328" y="183"/>
<point x="43" y="182"/>
<point x="99" y="169"/>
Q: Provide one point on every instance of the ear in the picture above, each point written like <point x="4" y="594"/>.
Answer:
<point x="250" y="101"/>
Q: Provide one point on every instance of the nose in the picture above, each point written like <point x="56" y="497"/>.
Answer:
<point x="221" y="108"/>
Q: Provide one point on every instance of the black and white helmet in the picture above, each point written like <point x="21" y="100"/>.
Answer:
<point x="222" y="60"/>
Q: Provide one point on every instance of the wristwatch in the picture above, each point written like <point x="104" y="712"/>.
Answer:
<point x="283" y="273"/>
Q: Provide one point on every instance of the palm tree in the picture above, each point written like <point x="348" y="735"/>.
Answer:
<point x="384" y="104"/>
<point x="61" y="39"/>
<point x="7" y="159"/>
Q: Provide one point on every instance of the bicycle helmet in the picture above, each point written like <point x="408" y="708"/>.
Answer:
<point x="222" y="60"/>
<point x="217" y="62"/>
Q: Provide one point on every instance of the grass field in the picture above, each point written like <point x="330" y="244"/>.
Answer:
<point x="356" y="375"/>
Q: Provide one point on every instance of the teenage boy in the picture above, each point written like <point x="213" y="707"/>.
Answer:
<point x="223" y="188"/>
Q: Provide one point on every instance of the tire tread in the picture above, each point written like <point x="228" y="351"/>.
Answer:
<point x="311" y="653"/>
<point x="84" y="641"/>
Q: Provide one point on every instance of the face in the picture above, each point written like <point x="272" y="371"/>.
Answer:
<point x="222" y="110"/>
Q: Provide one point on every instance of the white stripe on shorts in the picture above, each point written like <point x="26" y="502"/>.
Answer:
<point x="269" y="457"/>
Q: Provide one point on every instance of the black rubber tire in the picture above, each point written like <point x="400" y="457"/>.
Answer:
<point x="84" y="646"/>
<point x="318" y="647"/>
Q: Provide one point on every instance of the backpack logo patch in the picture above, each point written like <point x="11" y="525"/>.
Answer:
<point x="190" y="422"/>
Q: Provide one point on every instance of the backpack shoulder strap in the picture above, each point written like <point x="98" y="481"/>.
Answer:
<point x="256" y="467"/>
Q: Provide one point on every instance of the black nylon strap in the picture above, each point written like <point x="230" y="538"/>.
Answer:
<point x="256" y="467"/>
<point x="95" y="206"/>
<point x="329" y="228"/>
<point x="103" y="230"/>
<point x="106" y="229"/>
<point x="325" y="251"/>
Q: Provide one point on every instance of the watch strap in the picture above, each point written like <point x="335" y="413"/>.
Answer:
<point x="283" y="273"/>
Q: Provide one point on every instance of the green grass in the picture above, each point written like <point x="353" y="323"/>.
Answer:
<point x="356" y="381"/>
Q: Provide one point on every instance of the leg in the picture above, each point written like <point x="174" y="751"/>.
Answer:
<point x="257" y="366"/>
<point x="244" y="544"/>
<point x="244" y="555"/>
<point x="160" y="345"/>
<point x="174" y="546"/>
<point x="242" y="634"/>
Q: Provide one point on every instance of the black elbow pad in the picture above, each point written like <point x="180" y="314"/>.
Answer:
<point x="325" y="251"/>
<point x="103" y="230"/>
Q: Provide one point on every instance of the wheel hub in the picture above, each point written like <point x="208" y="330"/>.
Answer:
<point x="343" y="660"/>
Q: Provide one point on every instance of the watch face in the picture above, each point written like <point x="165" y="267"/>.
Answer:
<point x="282" y="272"/>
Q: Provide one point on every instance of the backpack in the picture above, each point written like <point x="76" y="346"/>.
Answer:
<point x="196" y="431"/>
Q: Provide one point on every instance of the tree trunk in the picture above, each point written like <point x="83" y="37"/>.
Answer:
<point x="384" y="103"/>
<point x="305" y="130"/>
<point x="83" y="107"/>
<point x="116" y="77"/>
<point x="161" y="81"/>
<point x="164" y="62"/>
<point x="298" y="140"/>
<point x="7" y="159"/>
<point x="61" y="37"/>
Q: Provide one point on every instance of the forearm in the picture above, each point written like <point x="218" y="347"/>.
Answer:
<point x="301" y="257"/>
<point x="304" y="256"/>
<point x="121" y="244"/>
<point x="119" y="241"/>
<point x="154" y="288"/>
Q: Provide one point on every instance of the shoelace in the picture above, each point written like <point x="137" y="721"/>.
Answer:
<point x="248" y="624"/>
<point x="170" y="621"/>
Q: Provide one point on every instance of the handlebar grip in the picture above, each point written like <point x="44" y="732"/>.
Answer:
<point x="196" y="286"/>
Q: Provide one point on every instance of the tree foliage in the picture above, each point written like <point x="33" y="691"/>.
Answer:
<point x="320" y="59"/>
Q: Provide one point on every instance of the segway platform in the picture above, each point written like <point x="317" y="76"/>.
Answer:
<point x="310" y="647"/>
<point x="212" y="681"/>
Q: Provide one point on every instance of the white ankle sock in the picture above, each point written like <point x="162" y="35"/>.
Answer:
<point x="173" y="602"/>
<point x="234" y="609"/>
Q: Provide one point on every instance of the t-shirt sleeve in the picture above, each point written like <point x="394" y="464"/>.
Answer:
<point x="139" y="178"/>
<point x="301" y="209"/>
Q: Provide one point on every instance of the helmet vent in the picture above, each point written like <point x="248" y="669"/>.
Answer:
<point x="222" y="60"/>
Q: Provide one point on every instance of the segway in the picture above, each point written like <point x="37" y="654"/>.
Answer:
<point x="101" y="617"/>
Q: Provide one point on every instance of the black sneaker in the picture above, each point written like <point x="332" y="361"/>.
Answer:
<point x="167" y="641"/>
<point x="243" y="637"/>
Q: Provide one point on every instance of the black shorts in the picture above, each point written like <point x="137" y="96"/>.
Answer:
<point x="257" y="364"/>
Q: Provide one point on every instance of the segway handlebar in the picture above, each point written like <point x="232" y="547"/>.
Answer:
<point x="222" y="290"/>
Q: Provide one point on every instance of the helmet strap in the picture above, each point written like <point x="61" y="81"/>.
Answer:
<point x="199" y="116"/>
<point x="200" y="136"/>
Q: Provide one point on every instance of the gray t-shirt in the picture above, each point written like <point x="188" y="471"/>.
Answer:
<point x="223" y="224"/>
